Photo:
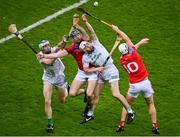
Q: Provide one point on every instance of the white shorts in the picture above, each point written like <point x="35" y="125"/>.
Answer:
<point x="144" y="86"/>
<point x="58" y="81"/>
<point x="82" y="76"/>
<point x="110" y="74"/>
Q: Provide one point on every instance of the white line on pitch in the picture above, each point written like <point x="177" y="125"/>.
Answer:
<point x="48" y="18"/>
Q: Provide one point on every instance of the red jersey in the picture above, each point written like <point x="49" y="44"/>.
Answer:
<point x="74" y="50"/>
<point x="134" y="66"/>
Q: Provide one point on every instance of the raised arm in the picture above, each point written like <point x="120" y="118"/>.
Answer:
<point x="60" y="45"/>
<point x="141" y="42"/>
<point x="85" y="36"/>
<point x="122" y="35"/>
<point x="89" y="27"/>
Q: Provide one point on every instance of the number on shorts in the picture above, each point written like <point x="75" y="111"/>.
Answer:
<point x="131" y="67"/>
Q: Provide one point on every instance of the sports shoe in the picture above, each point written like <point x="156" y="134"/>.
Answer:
<point x="155" y="130"/>
<point x="86" y="119"/>
<point x="120" y="128"/>
<point x="50" y="128"/>
<point x="130" y="117"/>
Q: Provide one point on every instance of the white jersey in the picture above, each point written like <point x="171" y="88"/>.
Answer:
<point x="98" y="56"/>
<point x="54" y="70"/>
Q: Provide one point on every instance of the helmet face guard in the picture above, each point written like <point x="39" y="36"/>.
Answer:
<point x="82" y="46"/>
<point x="123" y="48"/>
<point x="43" y="43"/>
<point x="74" y="32"/>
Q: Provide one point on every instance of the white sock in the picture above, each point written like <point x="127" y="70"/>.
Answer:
<point x="90" y="112"/>
<point x="129" y="110"/>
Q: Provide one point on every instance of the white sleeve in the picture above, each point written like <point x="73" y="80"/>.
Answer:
<point x="85" y="61"/>
<point x="42" y="60"/>
<point x="53" y="49"/>
<point x="96" y="43"/>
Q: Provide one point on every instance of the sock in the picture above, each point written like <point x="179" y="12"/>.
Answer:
<point x="85" y="96"/>
<point x="129" y="110"/>
<point x="90" y="112"/>
<point x="155" y="125"/>
<point x="50" y="122"/>
<point x="85" y="91"/>
<point x="68" y="89"/>
<point x="121" y="123"/>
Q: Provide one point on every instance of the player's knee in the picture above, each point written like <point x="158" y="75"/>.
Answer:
<point x="89" y="93"/>
<point x="96" y="97"/>
<point x="47" y="101"/>
<point x="72" y="94"/>
<point x="116" y="94"/>
<point x="149" y="101"/>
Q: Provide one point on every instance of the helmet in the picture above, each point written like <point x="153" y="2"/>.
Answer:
<point x="82" y="45"/>
<point x="74" y="32"/>
<point x="123" y="48"/>
<point x="43" y="43"/>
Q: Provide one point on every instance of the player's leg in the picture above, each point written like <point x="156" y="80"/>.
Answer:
<point x="62" y="94"/>
<point x="88" y="112"/>
<point x="148" y="92"/>
<point x="75" y="86"/>
<point x="95" y="98"/>
<point x="47" y="92"/>
<point x="79" y="79"/>
<point x="62" y="87"/>
<point x="130" y="100"/>
<point x="80" y="91"/>
<point x="123" y="101"/>
<point x="152" y="113"/>
<point x="97" y="92"/>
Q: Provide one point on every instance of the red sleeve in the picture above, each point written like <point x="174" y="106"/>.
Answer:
<point x="69" y="48"/>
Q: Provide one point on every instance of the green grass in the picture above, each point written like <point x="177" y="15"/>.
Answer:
<point x="21" y="100"/>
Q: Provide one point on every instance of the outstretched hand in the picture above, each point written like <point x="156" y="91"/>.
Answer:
<point x="115" y="28"/>
<point x="75" y="20"/>
<point x="40" y="55"/>
<point x="84" y="18"/>
<point x="145" y="40"/>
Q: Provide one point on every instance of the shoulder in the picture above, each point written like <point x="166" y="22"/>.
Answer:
<point x="69" y="48"/>
<point x="73" y="47"/>
<point x="132" y="49"/>
<point x="85" y="57"/>
<point x="96" y="41"/>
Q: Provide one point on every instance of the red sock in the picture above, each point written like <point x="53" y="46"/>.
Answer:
<point x="155" y="125"/>
<point x="121" y="124"/>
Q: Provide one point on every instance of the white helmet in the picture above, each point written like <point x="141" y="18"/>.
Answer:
<point x="43" y="43"/>
<point x="123" y="48"/>
<point x="82" y="45"/>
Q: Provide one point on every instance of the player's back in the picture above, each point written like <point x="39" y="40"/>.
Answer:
<point x="101" y="53"/>
<point x="134" y="66"/>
